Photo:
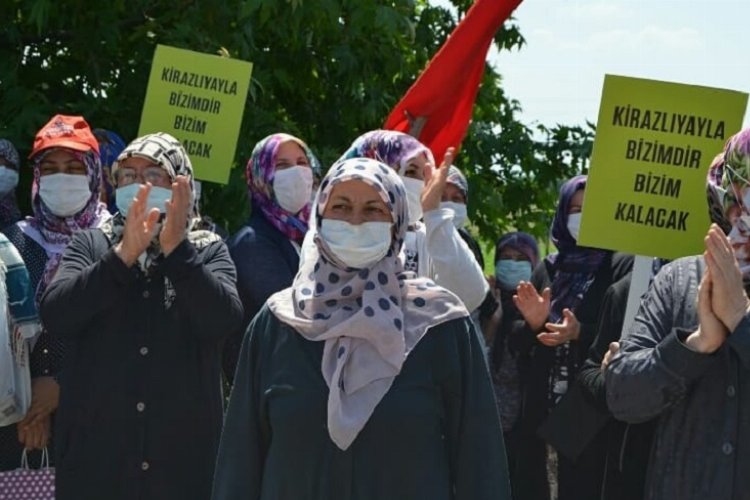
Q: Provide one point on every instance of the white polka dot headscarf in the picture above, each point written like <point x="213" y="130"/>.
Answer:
<point x="370" y="319"/>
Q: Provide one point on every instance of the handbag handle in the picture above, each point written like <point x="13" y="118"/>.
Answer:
<point x="43" y="463"/>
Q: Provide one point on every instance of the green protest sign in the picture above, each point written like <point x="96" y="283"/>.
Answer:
<point x="646" y="191"/>
<point x="199" y="99"/>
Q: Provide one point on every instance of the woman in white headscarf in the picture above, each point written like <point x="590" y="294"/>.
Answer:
<point x="361" y="381"/>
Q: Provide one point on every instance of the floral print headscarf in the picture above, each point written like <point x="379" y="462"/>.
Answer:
<point x="260" y="174"/>
<point x="728" y="187"/>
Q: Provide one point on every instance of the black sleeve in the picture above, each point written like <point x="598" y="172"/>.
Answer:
<point x="84" y="285"/>
<point x="609" y="328"/>
<point x="476" y="448"/>
<point x="244" y="439"/>
<point x="207" y="281"/>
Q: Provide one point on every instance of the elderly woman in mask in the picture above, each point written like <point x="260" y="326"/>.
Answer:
<point x="280" y="176"/>
<point x="143" y="304"/>
<point x="686" y="358"/>
<point x="9" y="165"/>
<point x="65" y="200"/>
<point x="360" y="380"/>
<point x="433" y="247"/>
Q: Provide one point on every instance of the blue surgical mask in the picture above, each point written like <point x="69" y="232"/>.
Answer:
<point x="509" y="272"/>
<point x="157" y="198"/>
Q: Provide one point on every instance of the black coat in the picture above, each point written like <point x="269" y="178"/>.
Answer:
<point x="435" y="435"/>
<point x="266" y="263"/>
<point x="579" y="480"/>
<point x="140" y="402"/>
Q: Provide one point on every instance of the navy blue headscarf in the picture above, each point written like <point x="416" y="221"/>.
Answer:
<point x="573" y="270"/>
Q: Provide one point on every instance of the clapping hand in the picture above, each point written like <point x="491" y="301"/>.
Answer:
<point x="533" y="307"/>
<point x="729" y="301"/>
<point x="140" y="228"/>
<point x="559" y="333"/>
<point x="174" y="229"/>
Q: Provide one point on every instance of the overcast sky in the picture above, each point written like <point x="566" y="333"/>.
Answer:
<point x="571" y="44"/>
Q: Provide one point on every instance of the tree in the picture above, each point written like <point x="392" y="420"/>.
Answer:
<point x="325" y="70"/>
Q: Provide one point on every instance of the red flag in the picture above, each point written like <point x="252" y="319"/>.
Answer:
<point x="437" y="108"/>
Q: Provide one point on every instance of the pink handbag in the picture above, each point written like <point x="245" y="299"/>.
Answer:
<point x="29" y="484"/>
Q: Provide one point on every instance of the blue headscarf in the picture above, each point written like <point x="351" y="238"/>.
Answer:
<point x="110" y="147"/>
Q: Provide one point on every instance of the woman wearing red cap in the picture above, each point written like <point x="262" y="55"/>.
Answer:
<point x="65" y="199"/>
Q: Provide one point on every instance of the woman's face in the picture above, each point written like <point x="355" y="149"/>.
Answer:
<point x="415" y="167"/>
<point x="61" y="161"/>
<point x="356" y="202"/>
<point x="576" y="202"/>
<point x="454" y="194"/>
<point x="512" y="254"/>
<point x="142" y="170"/>
<point x="290" y="154"/>
<point x="739" y="236"/>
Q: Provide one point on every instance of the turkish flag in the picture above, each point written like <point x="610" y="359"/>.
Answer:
<point x="437" y="107"/>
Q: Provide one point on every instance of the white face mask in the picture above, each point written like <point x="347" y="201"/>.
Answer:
<point x="64" y="194"/>
<point x="157" y="198"/>
<point x="414" y="188"/>
<point x="293" y="187"/>
<point x="8" y="180"/>
<point x="459" y="212"/>
<point x="574" y="225"/>
<point x="357" y="245"/>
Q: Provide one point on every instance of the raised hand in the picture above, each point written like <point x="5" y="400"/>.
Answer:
<point x="533" y="307"/>
<point x="729" y="301"/>
<point x="434" y="182"/>
<point x="559" y="333"/>
<point x="174" y="229"/>
<point x="140" y="228"/>
<point x="711" y="332"/>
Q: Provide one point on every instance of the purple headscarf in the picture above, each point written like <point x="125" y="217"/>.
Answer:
<point x="260" y="174"/>
<point x="523" y="242"/>
<point x="395" y="149"/>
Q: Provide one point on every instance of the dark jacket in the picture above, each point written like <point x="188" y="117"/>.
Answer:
<point x="140" y="403"/>
<point x="627" y="445"/>
<point x="702" y="400"/>
<point x="266" y="263"/>
<point x="576" y="480"/>
<point x="435" y="435"/>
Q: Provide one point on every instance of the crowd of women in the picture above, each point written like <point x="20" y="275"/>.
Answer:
<point x="367" y="354"/>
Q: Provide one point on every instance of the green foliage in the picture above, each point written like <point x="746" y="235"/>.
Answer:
<point x="325" y="70"/>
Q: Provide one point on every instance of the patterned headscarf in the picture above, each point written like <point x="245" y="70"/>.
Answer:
<point x="110" y="147"/>
<point x="457" y="178"/>
<point x="574" y="271"/>
<point x="260" y="173"/>
<point x="169" y="154"/>
<point x="370" y="319"/>
<point x="729" y="196"/>
<point x="395" y="149"/>
<point x="52" y="232"/>
<point x="520" y="241"/>
<point x="9" y="212"/>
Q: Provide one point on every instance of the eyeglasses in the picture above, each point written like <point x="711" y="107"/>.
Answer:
<point x="154" y="175"/>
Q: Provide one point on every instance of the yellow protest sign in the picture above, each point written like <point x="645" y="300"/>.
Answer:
<point x="199" y="99"/>
<point x="646" y="191"/>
